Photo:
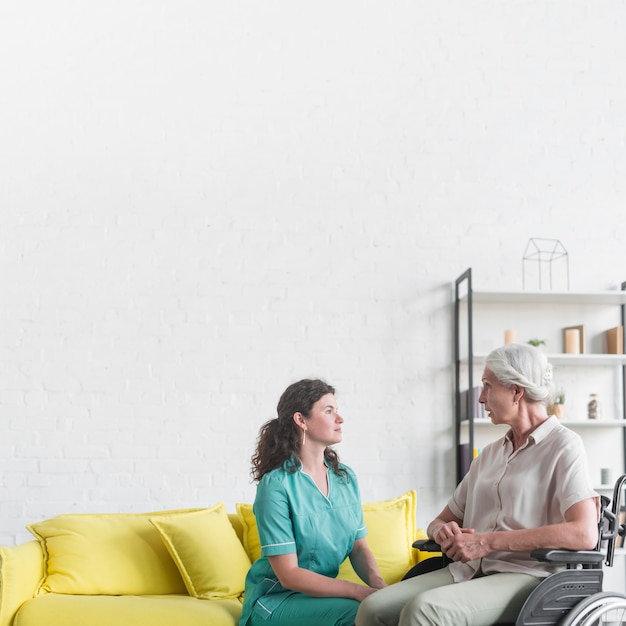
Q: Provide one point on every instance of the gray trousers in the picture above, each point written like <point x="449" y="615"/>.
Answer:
<point x="434" y="599"/>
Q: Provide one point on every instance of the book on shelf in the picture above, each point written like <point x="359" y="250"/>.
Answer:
<point x="465" y="458"/>
<point x="615" y="340"/>
<point x="477" y="409"/>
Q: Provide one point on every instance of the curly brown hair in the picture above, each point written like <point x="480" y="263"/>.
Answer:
<point x="280" y="439"/>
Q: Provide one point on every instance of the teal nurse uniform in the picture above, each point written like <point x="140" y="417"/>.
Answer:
<point x="293" y="516"/>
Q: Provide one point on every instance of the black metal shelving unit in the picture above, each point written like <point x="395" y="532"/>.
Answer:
<point x="464" y="407"/>
<point x="461" y="456"/>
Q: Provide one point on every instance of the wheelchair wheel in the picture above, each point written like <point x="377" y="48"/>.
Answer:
<point x="600" y="609"/>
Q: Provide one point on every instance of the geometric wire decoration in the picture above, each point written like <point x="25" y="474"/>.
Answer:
<point x="550" y="257"/>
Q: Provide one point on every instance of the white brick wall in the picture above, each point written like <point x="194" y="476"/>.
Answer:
<point x="202" y="202"/>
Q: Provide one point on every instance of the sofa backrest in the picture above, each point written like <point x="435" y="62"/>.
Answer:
<point x="236" y="524"/>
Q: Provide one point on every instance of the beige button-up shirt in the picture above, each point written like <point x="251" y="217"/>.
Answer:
<point x="531" y="487"/>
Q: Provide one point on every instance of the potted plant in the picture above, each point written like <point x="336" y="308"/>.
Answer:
<point x="558" y="405"/>
<point x="537" y="342"/>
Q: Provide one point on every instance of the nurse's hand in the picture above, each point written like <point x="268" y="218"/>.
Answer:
<point x="363" y="592"/>
<point x="377" y="582"/>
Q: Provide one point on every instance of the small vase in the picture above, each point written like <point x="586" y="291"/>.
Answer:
<point x="593" y="408"/>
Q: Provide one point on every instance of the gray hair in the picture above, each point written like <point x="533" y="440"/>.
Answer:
<point x="525" y="366"/>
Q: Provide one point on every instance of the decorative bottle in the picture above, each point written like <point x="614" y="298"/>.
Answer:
<point x="593" y="407"/>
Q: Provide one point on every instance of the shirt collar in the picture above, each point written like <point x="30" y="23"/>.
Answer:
<point x="294" y="461"/>
<point x="541" y="432"/>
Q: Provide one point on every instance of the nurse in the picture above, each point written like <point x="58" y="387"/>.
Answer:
<point x="310" y="518"/>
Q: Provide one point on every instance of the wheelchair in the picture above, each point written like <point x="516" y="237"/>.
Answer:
<point x="572" y="596"/>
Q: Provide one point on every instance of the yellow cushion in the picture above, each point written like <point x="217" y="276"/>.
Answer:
<point x="251" y="540"/>
<point x="109" y="554"/>
<point x="207" y="552"/>
<point x="235" y="522"/>
<point x="391" y="531"/>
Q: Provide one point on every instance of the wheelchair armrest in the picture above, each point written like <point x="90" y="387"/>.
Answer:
<point x="427" y="545"/>
<point x="568" y="557"/>
<point x="548" y="555"/>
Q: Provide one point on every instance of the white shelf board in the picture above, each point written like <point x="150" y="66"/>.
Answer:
<point x="620" y="423"/>
<point x="549" y="297"/>
<point x="559" y="358"/>
<point x="594" y="423"/>
<point x="587" y="359"/>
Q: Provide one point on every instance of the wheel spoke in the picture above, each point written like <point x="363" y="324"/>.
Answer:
<point x="602" y="609"/>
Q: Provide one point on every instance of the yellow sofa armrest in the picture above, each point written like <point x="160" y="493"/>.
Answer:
<point x="21" y="571"/>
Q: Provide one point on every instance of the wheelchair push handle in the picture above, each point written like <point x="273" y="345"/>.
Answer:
<point x="615" y="529"/>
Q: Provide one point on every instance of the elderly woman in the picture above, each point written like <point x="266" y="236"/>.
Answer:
<point x="530" y="489"/>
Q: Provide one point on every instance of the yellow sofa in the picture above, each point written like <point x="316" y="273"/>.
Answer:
<point x="183" y="567"/>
